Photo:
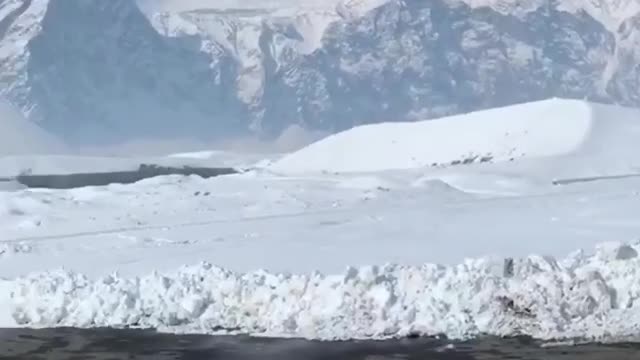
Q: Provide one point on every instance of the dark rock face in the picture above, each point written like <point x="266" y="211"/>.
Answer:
<point x="99" y="69"/>
<point x="144" y="171"/>
<point x="422" y="59"/>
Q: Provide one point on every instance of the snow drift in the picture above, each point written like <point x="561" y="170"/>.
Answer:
<point x="19" y="136"/>
<point x="594" y="297"/>
<point x="550" y="128"/>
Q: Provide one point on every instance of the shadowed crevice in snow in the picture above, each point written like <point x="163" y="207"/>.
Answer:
<point x="70" y="181"/>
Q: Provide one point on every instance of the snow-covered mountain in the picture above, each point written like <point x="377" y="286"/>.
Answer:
<point x="121" y="68"/>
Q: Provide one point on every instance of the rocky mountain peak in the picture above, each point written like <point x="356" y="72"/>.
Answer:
<point x="90" y="69"/>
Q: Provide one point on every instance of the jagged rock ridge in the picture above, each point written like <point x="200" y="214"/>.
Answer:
<point x="91" y="69"/>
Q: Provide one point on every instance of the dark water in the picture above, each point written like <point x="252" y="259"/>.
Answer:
<point x="144" y="171"/>
<point x="129" y="344"/>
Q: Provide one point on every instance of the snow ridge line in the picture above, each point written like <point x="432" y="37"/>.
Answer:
<point x="581" y="297"/>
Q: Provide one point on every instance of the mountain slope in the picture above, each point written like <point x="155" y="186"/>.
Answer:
<point x="90" y="69"/>
<point x="428" y="60"/>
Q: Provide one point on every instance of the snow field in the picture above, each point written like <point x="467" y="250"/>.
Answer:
<point x="582" y="296"/>
<point x="570" y="131"/>
<point x="20" y="136"/>
<point x="387" y="204"/>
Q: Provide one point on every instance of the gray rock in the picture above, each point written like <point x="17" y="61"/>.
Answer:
<point x="100" y="70"/>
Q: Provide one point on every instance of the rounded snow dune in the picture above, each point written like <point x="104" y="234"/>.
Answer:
<point x="19" y="136"/>
<point x="548" y="128"/>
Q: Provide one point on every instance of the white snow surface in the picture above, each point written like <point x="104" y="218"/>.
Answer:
<point x="609" y="12"/>
<point x="578" y="132"/>
<point x="292" y="226"/>
<point x="260" y="7"/>
<point x="184" y="253"/>
<point x="594" y="297"/>
<point x="18" y="136"/>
